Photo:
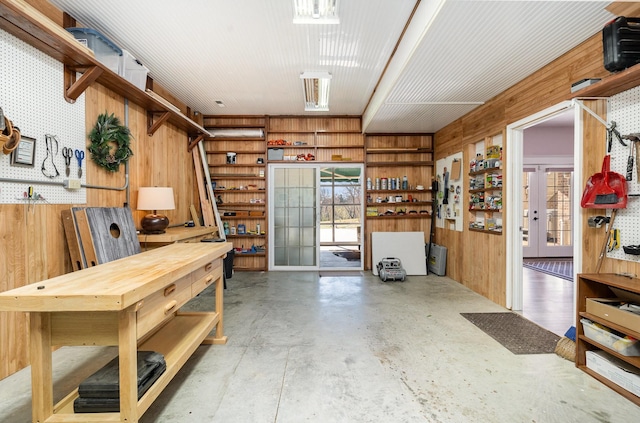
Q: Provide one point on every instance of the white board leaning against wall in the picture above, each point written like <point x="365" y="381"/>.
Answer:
<point x="409" y="247"/>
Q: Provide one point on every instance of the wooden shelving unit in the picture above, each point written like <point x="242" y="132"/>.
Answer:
<point x="485" y="199"/>
<point x="31" y="26"/>
<point x="324" y="138"/>
<point x="240" y="187"/>
<point x="390" y="156"/>
<point x="599" y="286"/>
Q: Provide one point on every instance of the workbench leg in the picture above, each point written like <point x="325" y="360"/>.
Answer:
<point x="220" y="338"/>
<point x="128" y="361"/>
<point x="41" y="366"/>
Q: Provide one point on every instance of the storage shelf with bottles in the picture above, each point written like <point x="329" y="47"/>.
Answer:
<point x="485" y="186"/>
<point x="398" y="167"/>
<point x="408" y="203"/>
<point x="236" y="156"/>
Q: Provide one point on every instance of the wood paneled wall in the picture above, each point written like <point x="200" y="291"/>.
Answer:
<point x="33" y="245"/>
<point x="477" y="260"/>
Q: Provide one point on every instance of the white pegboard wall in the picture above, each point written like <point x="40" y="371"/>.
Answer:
<point x="31" y="96"/>
<point x="624" y="110"/>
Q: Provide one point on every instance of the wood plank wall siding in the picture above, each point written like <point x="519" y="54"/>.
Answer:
<point x="483" y="269"/>
<point x="32" y="243"/>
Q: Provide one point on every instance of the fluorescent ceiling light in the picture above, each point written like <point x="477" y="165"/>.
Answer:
<point x="315" y="88"/>
<point x="315" y="12"/>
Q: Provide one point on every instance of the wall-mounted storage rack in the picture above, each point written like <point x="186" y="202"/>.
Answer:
<point x="31" y="26"/>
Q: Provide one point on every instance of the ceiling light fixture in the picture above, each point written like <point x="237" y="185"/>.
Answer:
<point x="315" y="12"/>
<point x="315" y="88"/>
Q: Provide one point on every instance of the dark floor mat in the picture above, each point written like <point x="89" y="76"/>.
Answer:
<point x="514" y="332"/>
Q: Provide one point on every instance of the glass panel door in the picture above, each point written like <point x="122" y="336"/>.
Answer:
<point x="293" y="229"/>
<point x="559" y="220"/>
<point x="547" y="205"/>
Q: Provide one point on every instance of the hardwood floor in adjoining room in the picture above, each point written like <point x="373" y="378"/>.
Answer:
<point x="548" y="301"/>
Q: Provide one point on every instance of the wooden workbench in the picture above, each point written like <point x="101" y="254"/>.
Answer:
<point x="132" y="303"/>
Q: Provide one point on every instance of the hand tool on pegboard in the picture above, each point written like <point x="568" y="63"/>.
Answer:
<point x="613" y="132"/>
<point x="633" y="138"/>
<point x="605" y="244"/>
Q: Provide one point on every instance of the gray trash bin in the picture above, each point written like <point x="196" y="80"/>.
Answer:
<point x="437" y="260"/>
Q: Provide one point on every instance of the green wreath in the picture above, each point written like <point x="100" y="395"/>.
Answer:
<point x="105" y="135"/>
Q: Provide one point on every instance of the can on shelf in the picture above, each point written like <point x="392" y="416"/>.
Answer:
<point x="384" y="184"/>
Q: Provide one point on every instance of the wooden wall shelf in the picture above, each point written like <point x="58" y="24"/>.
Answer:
<point x="612" y="84"/>
<point x="31" y="26"/>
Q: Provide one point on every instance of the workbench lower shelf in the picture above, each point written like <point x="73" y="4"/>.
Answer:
<point x="176" y="341"/>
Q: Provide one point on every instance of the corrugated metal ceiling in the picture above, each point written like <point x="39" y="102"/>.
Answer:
<point x="248" y="53"/>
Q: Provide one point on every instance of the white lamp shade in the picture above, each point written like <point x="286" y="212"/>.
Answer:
<point x="156" y="198"/>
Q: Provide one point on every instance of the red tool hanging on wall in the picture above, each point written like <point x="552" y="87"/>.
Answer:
<point x="605" y="189"/>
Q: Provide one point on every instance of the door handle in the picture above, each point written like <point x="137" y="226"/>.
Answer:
<point x="535" y="218"/>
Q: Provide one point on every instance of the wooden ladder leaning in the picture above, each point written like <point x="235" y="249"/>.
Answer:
<point x="210" y="214"/>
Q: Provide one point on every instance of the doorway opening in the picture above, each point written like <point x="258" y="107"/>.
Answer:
<point x="540" y="210"/>
<point x="341" y="217"/>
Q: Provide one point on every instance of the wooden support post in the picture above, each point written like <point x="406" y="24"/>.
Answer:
<point x="41" y="366"/>
<point x="128" y="365"/>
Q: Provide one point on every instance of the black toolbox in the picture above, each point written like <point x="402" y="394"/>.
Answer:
<point x="100" y="392"/>
<point x="621" y="43"/>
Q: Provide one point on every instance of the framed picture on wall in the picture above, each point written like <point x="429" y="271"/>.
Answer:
<point x="24" y="154"/>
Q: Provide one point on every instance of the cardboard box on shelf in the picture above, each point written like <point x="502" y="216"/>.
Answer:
<point x="607" y="308"/>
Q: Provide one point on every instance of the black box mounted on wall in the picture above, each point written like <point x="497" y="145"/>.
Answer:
<point x="621" y="43"/>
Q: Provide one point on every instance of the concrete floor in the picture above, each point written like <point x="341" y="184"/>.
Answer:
<point x="304" y="348"/>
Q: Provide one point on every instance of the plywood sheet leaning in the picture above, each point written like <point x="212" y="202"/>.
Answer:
<point x="76" y="254"/>
<point x="207" y="210"/>
<point x="84" y="236"/>
<point x="113" y="232"/>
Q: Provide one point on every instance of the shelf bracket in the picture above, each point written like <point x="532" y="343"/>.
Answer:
<point x="74" y="88"/>
<point x="158" y="123"/>
<point x="195" y="142"/>
<point x="592" y="113"/>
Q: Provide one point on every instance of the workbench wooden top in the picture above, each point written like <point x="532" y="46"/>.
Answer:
<point x="115" y="285"/>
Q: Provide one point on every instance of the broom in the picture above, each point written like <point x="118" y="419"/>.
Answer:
<point x="566" y="346"/>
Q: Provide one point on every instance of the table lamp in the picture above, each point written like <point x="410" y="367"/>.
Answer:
<point x="155" y="198"/>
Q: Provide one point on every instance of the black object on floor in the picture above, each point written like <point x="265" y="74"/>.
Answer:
<point x="514" y="332"/>
<point x="561" y="268"/>
<point x="100" y="392"/>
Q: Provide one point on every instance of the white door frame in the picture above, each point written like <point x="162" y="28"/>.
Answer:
<point x="271" y="193"/>
<point x="513" y="190"/>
